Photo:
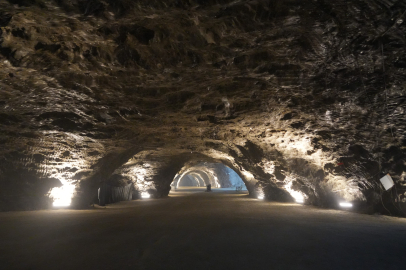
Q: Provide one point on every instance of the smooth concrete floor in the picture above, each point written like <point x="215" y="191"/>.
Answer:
<point x="201" y="230"/>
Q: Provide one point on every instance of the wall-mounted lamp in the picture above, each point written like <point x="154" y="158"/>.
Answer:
<point x="62" y="196"/>
<point x="299" y="200"/>
<point x="345" y="204"/>
<point x="145" y="195"/>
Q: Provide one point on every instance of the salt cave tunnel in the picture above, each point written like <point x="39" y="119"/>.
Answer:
<point x="111" y="109"/>
<point x="295" y="96"/>
<point x="203" y="174"/>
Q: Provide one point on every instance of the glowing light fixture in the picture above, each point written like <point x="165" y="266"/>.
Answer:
<point x="300" y="200"/>
<point x="62" y="195"/>
<point x="297" y="195"/>
<point x="345" y="204"/>
<point x="145" y="195"/>
<point x="260" y="194"/>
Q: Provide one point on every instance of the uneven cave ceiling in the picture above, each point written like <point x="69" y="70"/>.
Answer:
<point x="294" y="95"/>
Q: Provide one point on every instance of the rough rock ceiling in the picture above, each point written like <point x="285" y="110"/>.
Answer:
<point x="294" y="95"/>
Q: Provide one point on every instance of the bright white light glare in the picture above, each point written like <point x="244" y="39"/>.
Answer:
<point x="346" y="204"/>
<point x="260" y="197"/>
<point x="62" y="195"/>
<point x="300" y="200"/>
<point x="145" y="195"/>
<point x="387" y="182"/>
<point x="297" y="195"/>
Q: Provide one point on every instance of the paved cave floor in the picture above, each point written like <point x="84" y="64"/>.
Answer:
<point x="199" y="230"/>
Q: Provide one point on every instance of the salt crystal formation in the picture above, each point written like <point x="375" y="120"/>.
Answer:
<point x="301" y="98"/>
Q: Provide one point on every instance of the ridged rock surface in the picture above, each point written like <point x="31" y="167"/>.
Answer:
<point x="296" y="96"/>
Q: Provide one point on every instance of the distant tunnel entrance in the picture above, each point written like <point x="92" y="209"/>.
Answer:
<point x="205" y="173"/>
<point x="191" y="180"/>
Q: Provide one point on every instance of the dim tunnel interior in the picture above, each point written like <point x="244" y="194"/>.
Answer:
<point x="116" y="116"/>
<point x="304" y="100"/>
<point x="125" y="183"/>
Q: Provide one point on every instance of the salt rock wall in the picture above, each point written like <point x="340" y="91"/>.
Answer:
<point x="298" y="97"/>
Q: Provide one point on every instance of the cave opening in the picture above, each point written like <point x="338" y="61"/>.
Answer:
<point x="191" y="180"/>
<point x="203" y="174"/>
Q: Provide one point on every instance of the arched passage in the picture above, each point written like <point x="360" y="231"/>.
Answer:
<point x="216" y="174"/>
<point x="202" y="177"/>
<point x="198" y="178"/>
<point x="155" y="171"/>
<point x="190" y="180"/>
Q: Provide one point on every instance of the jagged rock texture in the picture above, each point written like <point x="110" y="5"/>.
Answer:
<point x="306" y="94"/>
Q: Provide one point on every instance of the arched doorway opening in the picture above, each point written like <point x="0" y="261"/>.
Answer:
<point x="202" y="174"/>
<point x="191" y="180"/>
